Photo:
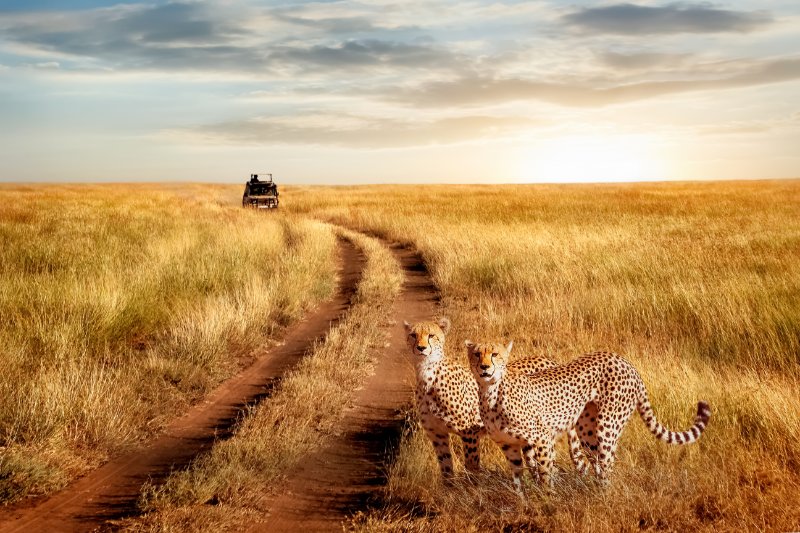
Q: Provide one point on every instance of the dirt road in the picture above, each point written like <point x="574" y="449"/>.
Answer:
<point x="111" y="491"/>
<point x="333" y="483"/>
<point x="341" y="479"/>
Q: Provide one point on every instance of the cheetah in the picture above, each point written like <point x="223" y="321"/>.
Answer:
<point x="530" y="411"/>
<point x="447" y="399"/>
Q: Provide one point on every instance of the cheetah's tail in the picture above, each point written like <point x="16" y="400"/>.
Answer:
<point x="674" y="437"/>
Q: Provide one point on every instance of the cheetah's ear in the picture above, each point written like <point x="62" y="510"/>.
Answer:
<point x="510" y="345"/>
<point x="444" y="323"/>
<point x="470" y="345"/>
<point x="407" y="326"/>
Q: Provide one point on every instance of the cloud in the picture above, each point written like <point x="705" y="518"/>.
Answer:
<point x="192" y="36"/>
<point x="358" y="132"/>
<point x="477" y="91"/>
<point x="366" y="53"/>
<point x="171" y="36"/>
<point x="351" y="18"/>
<point x="355" y="24"/>
<point x="632" y="19"/>
<point x="753" y="127"/>
<point x="172" y="23"/>
<point x="642" y="60"/>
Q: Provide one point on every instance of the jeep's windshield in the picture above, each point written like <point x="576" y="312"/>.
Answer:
<point x="260" y="189"/>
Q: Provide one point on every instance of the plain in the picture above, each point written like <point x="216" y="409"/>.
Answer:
<point x="695" y="283"/>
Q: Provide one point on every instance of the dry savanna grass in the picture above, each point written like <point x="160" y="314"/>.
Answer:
<point x="695" y="283"/>
<point x="238" y="473"/>
<point x="121" y="305"/>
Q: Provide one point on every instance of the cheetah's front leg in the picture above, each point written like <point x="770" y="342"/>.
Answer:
<point x="544" y="457"/>
<point x="441" y="444"/>
<point x="530" y="458"/>
<point x="514" y="456"/>
<point x="540" y="452"/>
<point x="472" y="458"/>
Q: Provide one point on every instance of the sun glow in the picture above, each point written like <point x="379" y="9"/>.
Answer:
<point x="579" y="158"/>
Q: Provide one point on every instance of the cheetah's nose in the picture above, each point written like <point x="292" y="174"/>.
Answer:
<point x="421" y="348"/>
<point x="484" y="367"/>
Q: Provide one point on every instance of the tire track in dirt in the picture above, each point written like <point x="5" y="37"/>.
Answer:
<point x="333" y="483"/>
<point x="111" y="492"/>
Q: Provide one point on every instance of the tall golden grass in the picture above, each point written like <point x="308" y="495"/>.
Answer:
<point x="237" y="474"/>
<point x="122" y="304"/>
<point x="143" y="297"/>
<point x="697" y="284"/>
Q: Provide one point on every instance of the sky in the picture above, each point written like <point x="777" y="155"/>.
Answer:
<point x="407" y="91"/>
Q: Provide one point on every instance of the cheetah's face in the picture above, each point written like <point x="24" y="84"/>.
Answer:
<point x="427" y="338"/>
<point x="488" y="361"/>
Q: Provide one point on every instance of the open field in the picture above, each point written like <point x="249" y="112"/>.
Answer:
<point x="121" y="305"/>
<point x="696" y="284"/>
<point x="144" y="297"/>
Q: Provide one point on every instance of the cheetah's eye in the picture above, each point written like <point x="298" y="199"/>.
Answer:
<point x="430" y="336"/>
<point x="495" y="355"/>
